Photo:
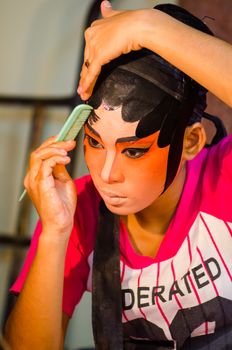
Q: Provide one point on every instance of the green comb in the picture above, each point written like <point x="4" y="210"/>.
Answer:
<point x="71" y="127"/>
<point x="74" y="123"/>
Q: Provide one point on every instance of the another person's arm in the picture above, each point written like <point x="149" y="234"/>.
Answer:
<point x="37" y="321"/>
<point x="206" y="59"/>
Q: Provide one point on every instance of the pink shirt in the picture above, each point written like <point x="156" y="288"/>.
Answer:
<point x="192" y="270"/>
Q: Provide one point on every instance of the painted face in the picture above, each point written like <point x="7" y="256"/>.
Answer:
<point x="128" y="172"/>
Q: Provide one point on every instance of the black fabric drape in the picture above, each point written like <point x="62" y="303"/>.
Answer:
<point x="106" y="294"/>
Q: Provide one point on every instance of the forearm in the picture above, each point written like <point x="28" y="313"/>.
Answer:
<point x="207" y="59"/>
<point x="36" y="320"/>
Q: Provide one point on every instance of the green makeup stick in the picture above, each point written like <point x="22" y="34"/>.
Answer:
<point x="71" y="127"/>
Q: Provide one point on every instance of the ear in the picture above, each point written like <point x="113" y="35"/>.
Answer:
<point x="194" y="141"/>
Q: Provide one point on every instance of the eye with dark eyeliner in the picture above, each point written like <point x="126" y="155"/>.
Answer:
<point x="135" y="152"/>
<point x="93" y="142"/>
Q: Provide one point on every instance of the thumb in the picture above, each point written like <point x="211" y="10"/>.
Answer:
<point x="107" y="10"/>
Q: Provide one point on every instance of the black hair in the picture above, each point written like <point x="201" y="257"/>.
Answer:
<point x="115" y="78"/>
<point x="154" y="92"/>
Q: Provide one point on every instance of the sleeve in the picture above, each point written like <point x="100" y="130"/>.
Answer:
<point x="75" y="273"/>
<point x="79" y="247"/>
<point x="18" y="284"/>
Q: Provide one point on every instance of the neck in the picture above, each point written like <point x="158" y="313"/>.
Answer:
<point x="156" y="218"/>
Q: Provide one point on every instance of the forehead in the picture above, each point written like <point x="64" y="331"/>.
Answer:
<point x="111" y="123"/>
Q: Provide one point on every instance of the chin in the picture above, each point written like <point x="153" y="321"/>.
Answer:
<point x="117" y="210"/>
<point x="120" y="210"/>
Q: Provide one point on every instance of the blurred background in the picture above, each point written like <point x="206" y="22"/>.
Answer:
<point x="41" y="54"/>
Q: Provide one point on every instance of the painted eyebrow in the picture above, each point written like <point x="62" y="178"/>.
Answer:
<point x="93" y="131"/>
<point x="119" y="140"/>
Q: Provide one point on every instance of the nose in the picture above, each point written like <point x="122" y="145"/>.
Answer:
<point x="112" y="171"/>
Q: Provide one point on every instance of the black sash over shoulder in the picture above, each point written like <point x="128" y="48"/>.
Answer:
<point x="106" y="294"/>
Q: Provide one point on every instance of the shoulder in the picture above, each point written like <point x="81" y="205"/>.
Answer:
<point x="219" y="156"/>
<point x="210" y="172"/>
<point x="215" y="158"/>
<point x="214" y="184"/>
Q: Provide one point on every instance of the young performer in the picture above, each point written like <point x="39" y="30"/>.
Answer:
<point x="150" y="234"/>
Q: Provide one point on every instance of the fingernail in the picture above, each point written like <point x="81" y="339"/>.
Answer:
<point x="84" y="97"/>
<point x="79" y="90"/>
<point x="107" y="4"/>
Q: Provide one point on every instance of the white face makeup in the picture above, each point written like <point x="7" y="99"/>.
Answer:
<point x="129" y="173"/>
